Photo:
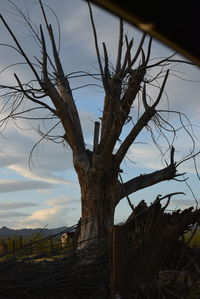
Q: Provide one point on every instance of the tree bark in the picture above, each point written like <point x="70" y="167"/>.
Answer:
<point x="100" y="190"/>
<point x="146" y="180"/>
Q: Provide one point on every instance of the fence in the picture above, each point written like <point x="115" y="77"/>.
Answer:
<point x="106" y="264"/>
<point x="129" y="253"/>
<point x="23" y="247"/>
<point x="73" y="274"/>
<point x="89" y="269"/>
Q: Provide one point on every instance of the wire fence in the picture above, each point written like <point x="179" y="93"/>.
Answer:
<point x="19" y="247"/>
<point x="41" y="247"/>
<point x="69" y="273"/>
<point x="44" y="268"/>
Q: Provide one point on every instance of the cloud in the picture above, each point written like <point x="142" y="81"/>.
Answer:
<point x="61" y="200"/>
<point x="182" y="203"/>
<point x="22" y="185"/>
<point x="87" y="122"/>
<point x="149" y="157"/>
<point x="61" y="208"/>
<point x="50" y="216"/>
<point x="49" y="160"/>
<point x="12" y="214"/>
<point x="145" y="156"/>
<point x="42" y="176"/>
<point x="16" y="205"/>
<point x="45" y="191"/>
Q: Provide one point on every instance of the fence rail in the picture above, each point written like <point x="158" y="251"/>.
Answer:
<point x="23" y="247"/>
<point x="119" y="258"/>
<point x="50" y="246"/>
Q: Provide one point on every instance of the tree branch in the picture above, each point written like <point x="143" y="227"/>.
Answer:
<point x="60" y="95"/>
<point x="31" y="98"/>
<point x="96" y="43"/>
<point x="21" y="51"/>
<point x="147" y="180"/>
<point x="44" y="54"/>
<point x="116" y="111"/>
<point x="139" y="49"/>
<point x="141" y="123"/>
<point x="68" y="101"/>
<point x="150" y="111"/>
<point x="120" y="46"/>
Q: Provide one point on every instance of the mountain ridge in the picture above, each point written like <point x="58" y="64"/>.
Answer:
<point x="27" y="232"/>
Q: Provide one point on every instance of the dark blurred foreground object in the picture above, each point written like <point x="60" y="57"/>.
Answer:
<point x="175" y="24"/>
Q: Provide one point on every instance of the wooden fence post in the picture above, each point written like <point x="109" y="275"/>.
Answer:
<point x="20" y="241"/>
<point x="9" y="244"/>
<point x="117" y="253"/>
<point x="31" y="247"/>
<point x="51" y="245"/>
<point x="14" y="247"/>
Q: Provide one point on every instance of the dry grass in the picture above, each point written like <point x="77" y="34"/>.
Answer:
<point x="195" y="241"/>
<point x="67" y="277"/>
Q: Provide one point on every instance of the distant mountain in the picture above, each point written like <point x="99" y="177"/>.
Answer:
<point x="28" y="232"/>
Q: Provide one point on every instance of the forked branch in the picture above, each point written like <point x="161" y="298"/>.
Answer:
<point x="147" y="180"/>
<point x="59" y="93"/>
<point x="148" y="114"/>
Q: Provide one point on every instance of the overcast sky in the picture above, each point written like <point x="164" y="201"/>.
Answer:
<point x="48" y="192"/>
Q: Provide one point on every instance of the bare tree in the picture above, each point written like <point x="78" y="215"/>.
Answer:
<point x="99" y="169"/>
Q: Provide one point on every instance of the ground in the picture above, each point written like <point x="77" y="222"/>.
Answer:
<point x="67" y="277"/>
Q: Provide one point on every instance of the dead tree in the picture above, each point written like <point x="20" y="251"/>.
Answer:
<point x="98" y="169"/>
<point x="147" y="241"/>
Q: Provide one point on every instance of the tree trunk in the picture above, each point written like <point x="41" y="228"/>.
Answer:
<point x="99" y="197"/>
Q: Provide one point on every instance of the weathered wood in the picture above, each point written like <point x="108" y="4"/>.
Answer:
<point x="97" y="170"/>
<point x="31" y="247"/>
<point x="3" y="247"/>
<point x="117" y="251"/>
<point x="14" y="246"/>
<point x="96" y="136"/>
<point x="141" y="247"/>
<point x="20" y="241"/>
<point x="99" y="192"/>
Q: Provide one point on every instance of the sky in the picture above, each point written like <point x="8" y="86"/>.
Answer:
<point x="40" y="187"/>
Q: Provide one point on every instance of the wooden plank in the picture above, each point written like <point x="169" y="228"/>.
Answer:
<point x="117" y="250"/>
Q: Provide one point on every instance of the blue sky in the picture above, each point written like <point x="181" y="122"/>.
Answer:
<point x="48" y="193"/>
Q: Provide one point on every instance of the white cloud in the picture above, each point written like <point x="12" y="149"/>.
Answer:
<point x="77" y="52"/>
<point x="48" y="161"/>
<point x="22" y="185"/>
<point x="79" y="33"/>
<point x="61" y="200"/>
<point x="87" y="122"/>
<point x="145" y="156"/>
<point x="63" y="210"/>
<point x="45" y="191"/>
<point x="12" y="214"/>
<point x="43" y="177"/>
<point x="148" y="156"/>
<point x="53" y="217"/>
<point x="16" y="205"/>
